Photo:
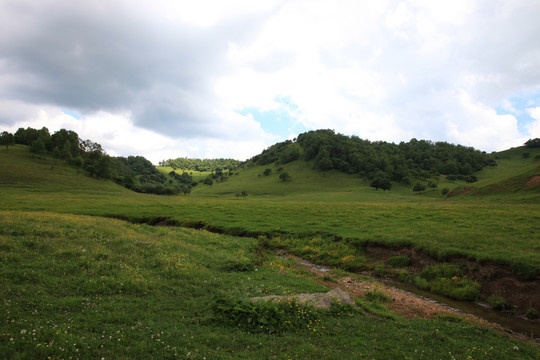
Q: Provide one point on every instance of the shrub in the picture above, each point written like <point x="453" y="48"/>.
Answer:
<point x="399" y="261"/>
<point x="238" y="266"/>
<point x="269" y="316"/>
<point x="498" y="303"/>
<point x="445" y="191"/>
<point x="448" y="280"/>
<point x="377" y="296"/>
<point x="284" y="176"/>
<point x="380" y="270"/>
<point x="405" y="276"/>
<point x="418" y="187"/>
<point x="532" y="314"/>
<point x="444" y="270"/>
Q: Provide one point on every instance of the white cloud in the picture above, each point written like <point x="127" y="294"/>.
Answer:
<point x="171" y="78"/>
<point x="534" y="127"/>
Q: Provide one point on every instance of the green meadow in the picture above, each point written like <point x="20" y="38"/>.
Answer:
<point x="83" y="276"/>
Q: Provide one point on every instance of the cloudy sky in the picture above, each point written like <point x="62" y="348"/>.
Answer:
<point x="167" y="79"/>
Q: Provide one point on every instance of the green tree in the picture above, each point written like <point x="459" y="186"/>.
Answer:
<point x="381" y="182"/>
<point x="418" y="187"/>
<point x="267" y="172"/>
<point x="38" y="147"/>
<point x="208" y="180"/>
<point x="533" y="143"/>
<point x="7" y="139"/>
<point x="284" y="176"/>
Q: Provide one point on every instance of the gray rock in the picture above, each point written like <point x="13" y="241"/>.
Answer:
<point x="318" y="300"/>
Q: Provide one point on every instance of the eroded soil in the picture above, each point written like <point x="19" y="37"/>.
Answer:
<point x="499" y="280"/>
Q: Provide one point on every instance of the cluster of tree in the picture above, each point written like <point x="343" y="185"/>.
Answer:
<point x="379" y="161"/>
<point x="217" y="176"/>
<point x="201" y="164"/>
<point x="134" y="172"/>
<point x="7" y="139"/>
<point x="281" y="153"/>
<point x="533" y="143"/>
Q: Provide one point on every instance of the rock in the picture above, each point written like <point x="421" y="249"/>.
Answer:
<point x="318" y="300"/>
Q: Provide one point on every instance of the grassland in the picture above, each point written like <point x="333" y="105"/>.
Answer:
<point x="483" y="228"/>
<point x="76" y="283"/>
<point x="85" y="287"/>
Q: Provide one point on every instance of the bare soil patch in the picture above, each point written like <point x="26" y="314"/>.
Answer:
<point x="533" y="181"/>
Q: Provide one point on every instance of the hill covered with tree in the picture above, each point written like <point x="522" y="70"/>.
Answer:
<point x="379" y="160"/>
<point x="133" y="172"/>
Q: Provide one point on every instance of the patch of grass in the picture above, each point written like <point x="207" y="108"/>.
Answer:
<point x="377" y="296"/>
<point x="448" y="280"/>
<point x="498" y="303"/>
<point x="399" y="261"/>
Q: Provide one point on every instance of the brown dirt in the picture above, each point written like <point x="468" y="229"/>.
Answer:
<point x="494" y="279"/>
<point x="533" y="181"/>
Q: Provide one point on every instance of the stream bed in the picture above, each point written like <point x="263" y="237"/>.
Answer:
<point x="507" y="321"/>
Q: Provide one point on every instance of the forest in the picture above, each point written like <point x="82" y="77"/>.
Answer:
<point x="421" y="159"/>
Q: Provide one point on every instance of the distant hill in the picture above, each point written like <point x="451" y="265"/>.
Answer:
<point x="421" y="159"/>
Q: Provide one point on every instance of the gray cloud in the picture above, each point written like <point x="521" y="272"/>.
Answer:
<point x="93" y="57"/>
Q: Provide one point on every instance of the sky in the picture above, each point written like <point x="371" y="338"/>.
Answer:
<point x="226" y="79"/>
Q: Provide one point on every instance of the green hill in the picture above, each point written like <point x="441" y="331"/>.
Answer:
<point x="76" y="283"/>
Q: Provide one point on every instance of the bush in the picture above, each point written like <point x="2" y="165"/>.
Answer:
<point x="380" y="270"/>
<point x="498" y="303"/>
<point x="238" y="266"/>
<point x="405" y="276"/>
<point x="418" y="187"/>
<point x="532" y="314"/>
<point x="444" y="191"/>
<point x="399" y="261"/>
<point x="264" y="316"/>
<point x="448" y="280"/>
<point x="284" y="176"/>
<point x="377" y="296"/>
<point x="444" y="270"/>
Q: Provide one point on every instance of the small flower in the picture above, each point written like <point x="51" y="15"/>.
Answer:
<point x="23" y="332"/>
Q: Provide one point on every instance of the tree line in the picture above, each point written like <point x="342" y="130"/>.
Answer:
<point x="133" y="172"/>
<point x="201" y="165"/>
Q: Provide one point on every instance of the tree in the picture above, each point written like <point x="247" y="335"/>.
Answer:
<point x="533" y="143"/>
<point x="7" y="139"/>
<point x="244" y="194"/>
<point x="38" y="147"/>
<point x="381" y="182"/>
<point x="284" y="176"/>
<point x="418" y="187"/>
<point x="208" y="180"/>
<point x="267" y="172"/>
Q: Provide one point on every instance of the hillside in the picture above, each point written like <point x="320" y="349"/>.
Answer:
<point x="61" y="238"/>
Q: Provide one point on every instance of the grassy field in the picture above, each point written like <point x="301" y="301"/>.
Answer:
<point x="76" y="283"/>
<point x="87" y="287"/>
<point x="478" y="227"/>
